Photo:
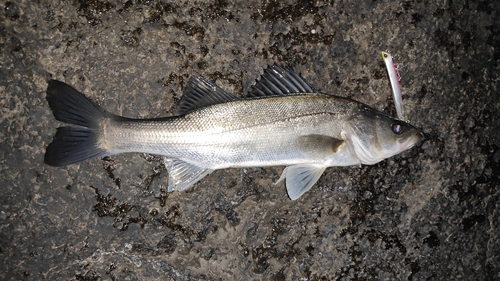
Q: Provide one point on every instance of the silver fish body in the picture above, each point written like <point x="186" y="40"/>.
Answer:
<point x="283" y="122"/>
<point x="243" y="133"/>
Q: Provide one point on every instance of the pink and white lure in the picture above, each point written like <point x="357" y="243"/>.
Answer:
<point x="396" y="87"/>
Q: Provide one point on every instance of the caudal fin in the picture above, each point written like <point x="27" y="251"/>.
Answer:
<point x="73" y="144"/>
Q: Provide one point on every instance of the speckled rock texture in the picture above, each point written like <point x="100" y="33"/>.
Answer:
<point x="431" y="213"/>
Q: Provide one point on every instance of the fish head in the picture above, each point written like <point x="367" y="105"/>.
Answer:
<point x="373" y="136"/>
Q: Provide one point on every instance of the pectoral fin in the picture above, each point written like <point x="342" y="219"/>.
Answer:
<point x="182" y="175"/>
<point x="300" y="178"/>
<point x="318" y="146"/>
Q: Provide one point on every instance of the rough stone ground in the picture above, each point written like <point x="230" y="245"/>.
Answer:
<point x="431" y="213"/>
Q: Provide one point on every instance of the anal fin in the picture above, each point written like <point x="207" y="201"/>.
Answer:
<point x="182" y="175"/>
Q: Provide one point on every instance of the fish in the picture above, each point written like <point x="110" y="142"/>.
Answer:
<point x="396" y="86"/>
<point x="282" y="121"/>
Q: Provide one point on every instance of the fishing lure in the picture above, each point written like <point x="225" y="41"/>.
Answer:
<point x="396" y="87"/>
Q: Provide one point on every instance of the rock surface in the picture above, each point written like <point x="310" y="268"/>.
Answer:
<point x="431" y="213"/>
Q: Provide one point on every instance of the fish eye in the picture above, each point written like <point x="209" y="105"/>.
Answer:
<point x="397" y="128"/>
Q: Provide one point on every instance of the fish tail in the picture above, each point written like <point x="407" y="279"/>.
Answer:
<point x="73" y="144"/>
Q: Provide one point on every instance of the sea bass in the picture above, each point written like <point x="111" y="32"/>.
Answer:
<point x="282" y="122"/>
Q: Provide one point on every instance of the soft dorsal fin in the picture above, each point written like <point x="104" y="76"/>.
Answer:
<point x="278" y="81"/>
<point x="200" y="92"/>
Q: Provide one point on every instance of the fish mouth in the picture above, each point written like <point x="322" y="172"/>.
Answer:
<point x="418" y="137"/>
<point x="411" y="140"/>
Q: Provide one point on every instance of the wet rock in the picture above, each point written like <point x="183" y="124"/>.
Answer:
<point x="428" y="213"/>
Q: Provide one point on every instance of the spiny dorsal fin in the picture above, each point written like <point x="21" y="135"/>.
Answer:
<point x="200" y="92"/>
<point x="278" y="81"/>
